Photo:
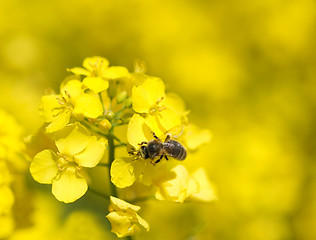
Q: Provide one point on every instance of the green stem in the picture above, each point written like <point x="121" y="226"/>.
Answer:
<point x="119" y="124"/>
<point x="119" y="140"/>
<point x="120" y="145"/>
<point x="93" y="128"/>
<point x="101" y="100"/>
<point x="118" y="113"/>
<point x="111" y="159"/>
<point x="141" y="199"/>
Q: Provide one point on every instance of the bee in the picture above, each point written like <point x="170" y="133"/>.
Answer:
<point x="156" y="148"/>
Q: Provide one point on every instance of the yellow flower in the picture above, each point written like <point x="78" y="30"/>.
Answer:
<point x="11" y="164"/>
<point x="124" y="218"/>
<point x="57" y="109"/>
<point x="178" y="186"/>
<point x="149" y="99"/>
<point x="10" y="136"/>
<point x="97" y="73"/>
<point x="76" y="149"/>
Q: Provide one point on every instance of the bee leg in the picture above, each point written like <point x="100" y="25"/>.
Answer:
<point x="134" y="153"/>
<point x="154" y="135"/>
<point x="160" y="158"/>
<point x="166" y="157"/>
<point x="142" y="143"/>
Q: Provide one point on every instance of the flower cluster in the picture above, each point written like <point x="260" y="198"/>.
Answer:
<point x="80" y="122"/>
<point x="12" y="166"/>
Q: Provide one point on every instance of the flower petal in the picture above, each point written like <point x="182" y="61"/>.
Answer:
<point x="125" y="171"/>
<point x="115" y="72"/>
<point x="59" y="122"/>
<point x="153" y="122"/>
<point x="142" y="222"/>
<point x="88" y="105"/>
<point x="147" y="95"/>
<point x="79" y="71"/>
<point x="49" y="107"/>
<point x="163" y="123"/>
<point x="72" y="139"/>
<point x="70" y="186"/>
<point x="140" y="100"/>
<point x="44" y="166"/>
<point x="120" y="205"/>
<point x="155" y="89"/>
<point x="122" y="225"/>
<point x="96" y="84"/>
<point x="168" y="119"/>
<point x="138" y="131"/>
<point x="71" y="89"/>
<point x="92" y="154"/>
<point x="95" y="62"/>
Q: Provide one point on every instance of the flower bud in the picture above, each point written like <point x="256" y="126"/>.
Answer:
<point x="105" y="124"/>
<point x="110" y="115"/>
<point x="121" y="97"/>
<point x="128" y="102"/>
<point x="112" y="89"/>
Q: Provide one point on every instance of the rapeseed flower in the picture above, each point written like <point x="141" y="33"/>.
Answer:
<point x="98" y="73"/>
<point x="77" y="149"/>
<point x="124" y="218"/>
<point x="57" y="109"/>
<point x="150" y="101"/>
<point x="12" y="165"/>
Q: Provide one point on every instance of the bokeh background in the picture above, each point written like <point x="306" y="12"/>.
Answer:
<point x="246" y="70"/>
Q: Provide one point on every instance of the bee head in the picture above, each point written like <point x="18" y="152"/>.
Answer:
<point x="144" y="152"/>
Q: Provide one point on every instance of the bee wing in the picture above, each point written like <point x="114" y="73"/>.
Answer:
<point x="174" y="132"/>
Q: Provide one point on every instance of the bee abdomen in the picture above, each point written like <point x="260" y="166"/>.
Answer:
<point x="175" y="150"/>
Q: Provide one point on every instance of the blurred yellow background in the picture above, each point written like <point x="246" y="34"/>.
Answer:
<point x="246" y="70"/>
